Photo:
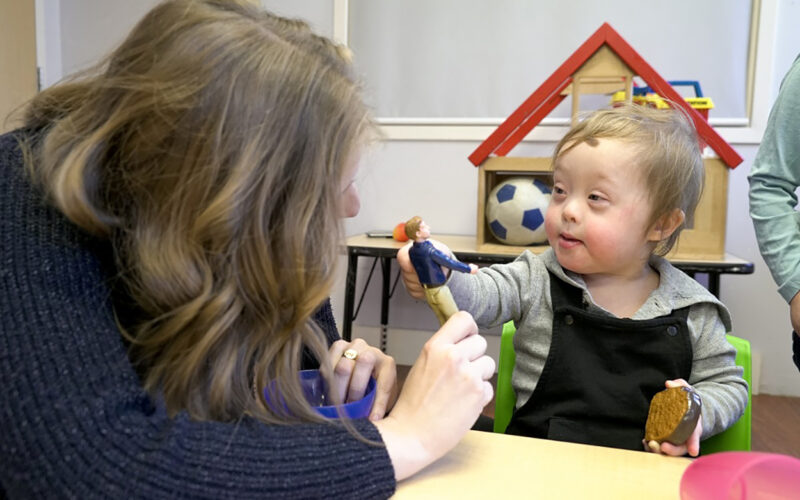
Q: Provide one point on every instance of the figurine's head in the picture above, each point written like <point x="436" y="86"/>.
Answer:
<point x="416" y="229"/>
<point x="667" y="152"/>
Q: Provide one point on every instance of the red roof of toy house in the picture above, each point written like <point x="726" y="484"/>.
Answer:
<point x="548" y="95"/>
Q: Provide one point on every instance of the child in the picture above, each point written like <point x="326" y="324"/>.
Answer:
<point x="603" y="320"/>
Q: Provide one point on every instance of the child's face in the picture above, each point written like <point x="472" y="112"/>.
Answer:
<point x="598" y="217"/>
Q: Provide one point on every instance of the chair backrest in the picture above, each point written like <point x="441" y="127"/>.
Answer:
<point x="504" y="397"/>
<point x="735" y="438"/>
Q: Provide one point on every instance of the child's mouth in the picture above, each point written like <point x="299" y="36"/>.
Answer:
<point x="567" y="241"/>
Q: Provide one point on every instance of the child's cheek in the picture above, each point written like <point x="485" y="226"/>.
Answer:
<point x="551" y="227"/>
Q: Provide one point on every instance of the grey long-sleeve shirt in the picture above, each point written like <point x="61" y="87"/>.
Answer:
<point x="520" y="291"/>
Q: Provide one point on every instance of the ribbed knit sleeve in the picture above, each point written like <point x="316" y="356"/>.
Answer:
<point x="74" y="420"/>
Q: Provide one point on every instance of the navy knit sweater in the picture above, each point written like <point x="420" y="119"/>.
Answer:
<point x="74" y="420"/>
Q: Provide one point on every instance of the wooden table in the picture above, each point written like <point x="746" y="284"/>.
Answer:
<point x="384" y="250"/>
<point x="485" y="465"/>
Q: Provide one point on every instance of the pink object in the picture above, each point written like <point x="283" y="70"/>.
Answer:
<point x="741" y="475"/>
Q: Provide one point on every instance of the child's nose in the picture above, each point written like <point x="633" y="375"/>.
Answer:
<point x="571" y="210"/>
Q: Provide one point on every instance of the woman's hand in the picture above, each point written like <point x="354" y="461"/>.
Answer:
<point x="442" y="397"/>
<point x="794" y="313"/>
<point x="691" y="446"/>
<point x="352" y="375"/>
<point x="409" y="275"/>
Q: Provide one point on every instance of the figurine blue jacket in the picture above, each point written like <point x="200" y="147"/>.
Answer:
<point x="427" y="261"/>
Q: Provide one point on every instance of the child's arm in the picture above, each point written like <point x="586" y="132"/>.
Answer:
<point x="715" y="375"/>
<point x="501" y="292"/>
<point x="494" y="295"/>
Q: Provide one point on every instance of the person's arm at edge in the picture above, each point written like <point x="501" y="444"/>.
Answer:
<point x="774" y="177"/>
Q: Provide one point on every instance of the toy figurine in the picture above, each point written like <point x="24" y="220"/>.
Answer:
<point x="428" y="262"/>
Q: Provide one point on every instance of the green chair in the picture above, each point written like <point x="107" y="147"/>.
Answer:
<point x="735" y="438"/>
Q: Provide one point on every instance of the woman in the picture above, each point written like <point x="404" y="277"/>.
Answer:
<point x="168" y="250"/>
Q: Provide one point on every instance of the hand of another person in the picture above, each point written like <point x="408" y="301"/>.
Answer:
<point x="410" y="278"/>
<point x="691" y="446"/>
<point x="442" y="397"/>
<point x="352" y="375"/>
<point x="794" y="312"/>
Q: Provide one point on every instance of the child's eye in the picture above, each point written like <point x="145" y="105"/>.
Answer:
<point x="558" y="190"/>
<point x="595" y="197"/>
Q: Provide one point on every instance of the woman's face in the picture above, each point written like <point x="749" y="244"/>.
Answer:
<point x="349" y="201"/>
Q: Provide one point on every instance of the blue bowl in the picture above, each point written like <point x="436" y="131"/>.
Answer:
<point x="316" y="394"/>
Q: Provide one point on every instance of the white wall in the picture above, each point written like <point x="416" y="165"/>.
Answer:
<point x="433" y="178"/>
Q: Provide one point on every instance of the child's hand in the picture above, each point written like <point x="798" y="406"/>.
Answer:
<point x="691" y="446"/>
<point x="410" y="278"/>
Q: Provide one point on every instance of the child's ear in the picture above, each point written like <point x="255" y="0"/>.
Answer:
<point x="666" y="225"/>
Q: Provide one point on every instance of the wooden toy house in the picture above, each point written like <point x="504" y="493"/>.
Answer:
<point x="605" y="63"/>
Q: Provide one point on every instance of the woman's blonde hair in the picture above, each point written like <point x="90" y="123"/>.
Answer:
<point x="668" y="154"/>
<point x="210" y="149"/>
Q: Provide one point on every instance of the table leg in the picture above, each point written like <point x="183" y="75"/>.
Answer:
<point x="386" y="267"/>
<point x="349" y="295"/>
<point x="713" y="284"/>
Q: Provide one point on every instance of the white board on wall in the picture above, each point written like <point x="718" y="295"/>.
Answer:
<point x="475" y="59"/>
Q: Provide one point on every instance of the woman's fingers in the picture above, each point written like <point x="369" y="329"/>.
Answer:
<point x="361" y="374"/>
<point x="343" y="367"/>
<point x="354" y="363"/>
<point x="485" y="366"/>
<point x="458" y="327"/>
<point x="470" y="348"/>
<point x="386" y="388"/>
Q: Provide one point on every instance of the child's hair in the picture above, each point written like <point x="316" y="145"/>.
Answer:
<point x="210" y="148"/>
<point x="412" y="226"/>
<point x="668" y="152"/>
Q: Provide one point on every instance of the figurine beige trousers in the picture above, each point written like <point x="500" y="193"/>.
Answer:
<point x="441" y="301"/>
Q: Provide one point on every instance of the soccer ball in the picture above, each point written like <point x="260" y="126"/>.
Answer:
<point x="515" y="211"/>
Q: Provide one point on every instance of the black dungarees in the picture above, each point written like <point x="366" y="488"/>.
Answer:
<point x="601" y="373"/>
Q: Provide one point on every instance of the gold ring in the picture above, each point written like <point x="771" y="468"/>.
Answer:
<point x="351" y="354"/>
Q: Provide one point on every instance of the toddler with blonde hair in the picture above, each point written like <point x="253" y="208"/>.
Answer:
<point x="603" y="320"/>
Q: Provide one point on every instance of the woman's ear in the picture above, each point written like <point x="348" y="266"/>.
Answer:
<point x="666" y="225"/>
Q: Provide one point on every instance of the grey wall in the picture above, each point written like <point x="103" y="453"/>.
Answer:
<point x="91" y="28"/>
